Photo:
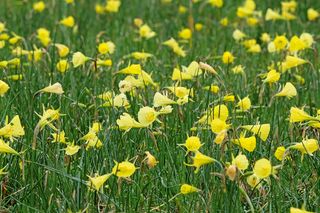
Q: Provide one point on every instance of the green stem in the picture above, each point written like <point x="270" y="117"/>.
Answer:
<point x="247" y="198"/>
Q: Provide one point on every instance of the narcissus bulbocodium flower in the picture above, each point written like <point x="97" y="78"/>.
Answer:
<point x="162" y="100"/>
<point x="39" y="6"/>
<point x="299" y="115"/>
<point x="272" y="77"/>
<point x="79" y="59"/>
<point x="126" y="122"/>
<point x="72" y="149"/>
<point x="48" y="117"/>
<point x="141" y="55"/>
<point x="307" y="146"/>
<point x="216" y="3"/>
<point x="241" y="162"/>
<point x="244" y="104"/>
<point x="106" y="47"/>
<point x="62" y="65"/>
<point x="55" y="88"/>
<point x="5" y="148"/>
<point x="199" y="160"/>
<point x="147" y="115"/>
<point x="261" y="130"/>
<point x="192" y="144"/>
<point x="124" y="169"/>
<point x="187" y="189"/>
<point x="92" y="140"/>
<point x="248" y="144"/>
<point x="133" y="69"/>
<point x="296" y="44"/>
<point x="288" y="91"/>
<point x="4" y="87"/>
<point x="185" y="34"/>
<point x="13" y="129"/>
<point x="227" y="57"/>
<point x="112" y="100"/>
<point x="253" y="181"/>
<point x="239" y="69"/>
<point x="113" y="6"/>
<point x="59" y="137"/>
<point x="63" y="50"/>
<point x="312" y="14"/>
<point x="262" y="168"/>
<point x="307" y="38"/>
<point x="96" y="182"/>
<point x="279" y="153"/>
<point x="291" y="62"/>
<point x="280" y="42"/>
<point x="68" y="21"/>
<point x="174" y="45"/>
<point x="218" y="125"/>
<point x="146" y="32"/>
<point x="238" y="35"/>
<point x="296" y="210"/>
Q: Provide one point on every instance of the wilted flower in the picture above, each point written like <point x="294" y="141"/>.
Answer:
<point x="151" y="160"/>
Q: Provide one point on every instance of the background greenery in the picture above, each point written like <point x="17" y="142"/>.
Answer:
<point x="55" y="183"/>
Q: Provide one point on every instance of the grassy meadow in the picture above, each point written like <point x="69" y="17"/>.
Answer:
<point x="159" y="106"/>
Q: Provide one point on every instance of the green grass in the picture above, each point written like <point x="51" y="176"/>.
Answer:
<point x="54" y="182"/>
